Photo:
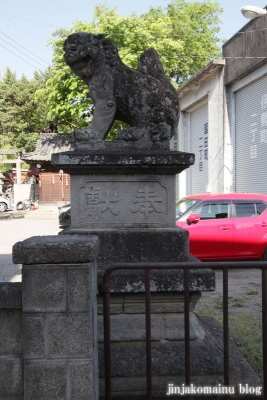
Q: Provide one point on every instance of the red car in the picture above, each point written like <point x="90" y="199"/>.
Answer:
<point x="225" y="226"/>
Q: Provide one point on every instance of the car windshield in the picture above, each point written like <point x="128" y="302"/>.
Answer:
<point x="183" y="205"/>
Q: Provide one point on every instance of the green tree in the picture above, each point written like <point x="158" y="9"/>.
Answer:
<point x="21" y="116"/>
<point x="183" y="34"/>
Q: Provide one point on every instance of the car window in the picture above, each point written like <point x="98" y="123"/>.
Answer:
<point x="249" y="209"/>
<point x="212" y="210"/>
<point x="260" y="207"/>
<point x="183" y="205"/>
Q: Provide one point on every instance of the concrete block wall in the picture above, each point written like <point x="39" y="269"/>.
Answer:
<point x="55" y="346"/>
<point x="59" y="311"/>
<point x="11" y="364"/>
<point x="55" y="322"/>
<point x="58" y="322"/>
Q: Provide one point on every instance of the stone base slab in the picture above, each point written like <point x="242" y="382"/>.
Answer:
<point x="119" y="161"/>
<point x="132" y="327"/>
<point x="128" y="245"/>
<point x="134" y="303"/>
<point x="129" y="367"/>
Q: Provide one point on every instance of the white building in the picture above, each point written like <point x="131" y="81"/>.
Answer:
<point x="224" y="118"/>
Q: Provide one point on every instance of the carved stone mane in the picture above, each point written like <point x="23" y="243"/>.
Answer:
<point x="144" y="99"/>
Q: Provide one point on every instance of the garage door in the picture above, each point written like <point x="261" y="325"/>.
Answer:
<point x="251" y="137"/>
<point x="199" y="133"/>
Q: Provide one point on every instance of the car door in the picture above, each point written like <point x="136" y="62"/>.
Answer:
<point x="211" y="237"/>
<point x="250" y="227"/>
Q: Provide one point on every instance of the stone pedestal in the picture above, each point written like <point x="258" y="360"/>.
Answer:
<point x="123" y="189"/>
<point x="125" y="194"/>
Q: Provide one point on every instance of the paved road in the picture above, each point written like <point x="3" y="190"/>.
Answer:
<point x="15" y="230"/>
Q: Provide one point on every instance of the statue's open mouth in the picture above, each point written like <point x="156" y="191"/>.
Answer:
<point x="79" y="59"/>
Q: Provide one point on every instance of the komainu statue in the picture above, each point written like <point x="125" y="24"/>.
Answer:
<point x="143" y="99"/>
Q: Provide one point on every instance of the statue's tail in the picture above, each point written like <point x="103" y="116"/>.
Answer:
<point x="150" y="64"/>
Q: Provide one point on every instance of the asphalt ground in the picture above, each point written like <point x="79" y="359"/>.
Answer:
<point x="14" y="230"/>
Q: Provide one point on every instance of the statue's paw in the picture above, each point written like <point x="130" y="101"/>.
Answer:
<point x="125" y="135"/>
<point x="132" y="134"/>
<point x="84" y="135"/>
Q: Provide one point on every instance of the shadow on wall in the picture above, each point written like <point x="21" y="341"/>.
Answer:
<point x="9" y="272"/>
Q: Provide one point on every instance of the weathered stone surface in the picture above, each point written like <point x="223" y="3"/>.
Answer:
<point x="144" y="99"/>
<point x="123" y="201"/>
<point x="44" y="288"/>
<point x="129" y="360"/>
<point x="69" y="335"/>
<point x="55" y="250"/>
<point x="151" y="245"/>
<point x="11" y="383"/>
<point x="78" y="289"/>
<point x="114" y="145"/>
<point x="34" y="342"/>
<point x="125" y="328"/>
<point x="82" y="380"/>
<point x="10" y="332"/>
<point x="124" y="162"/>
<point x="167" y="280"/>
<point x="59" y="331"/>
<point x="10" y="295"/>
<point x="51" y="378"/>
<point x="116" y="304"/>
<point x="159" y="302"/>
<point x="134" y="303"/>
<point x="174" y="327"/>
<point x="132" y="327"/>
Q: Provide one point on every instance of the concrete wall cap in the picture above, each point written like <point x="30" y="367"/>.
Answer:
<point x="56" y="250"/>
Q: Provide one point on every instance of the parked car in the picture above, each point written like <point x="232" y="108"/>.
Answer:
<point x="5" y="203"/>
<point x="64" y="216"/>
<point x="229" y="226"/>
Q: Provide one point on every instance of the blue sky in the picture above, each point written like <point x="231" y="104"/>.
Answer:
<point x="26" y="25"/>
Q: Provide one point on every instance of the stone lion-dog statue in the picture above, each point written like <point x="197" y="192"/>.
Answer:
<point x="143" y="98"/>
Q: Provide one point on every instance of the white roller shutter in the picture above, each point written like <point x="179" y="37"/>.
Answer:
<point x="199" y="133"/>
<point x="251" y="138"/>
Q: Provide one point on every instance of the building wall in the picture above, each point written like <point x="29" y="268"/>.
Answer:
<point x="54" y="187"/>
<point x="246" y="50"/>
<point x="207" y="88"/>
<point x="245" y="63"/>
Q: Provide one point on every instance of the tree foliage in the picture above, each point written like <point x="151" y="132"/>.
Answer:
<point x="21" y="116"/>
<point x="183" y="34"/>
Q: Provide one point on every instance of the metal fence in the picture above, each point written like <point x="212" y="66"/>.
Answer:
<point x="104" y="288"/>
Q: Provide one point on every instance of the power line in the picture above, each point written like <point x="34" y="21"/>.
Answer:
<point x="56" y="26"/>
<point x="197" y="56"/>
<point x="35" y="22"/>
<point x="23" y="48"/>
<point x="29" y="33"/>
<point x="24" y="30"/>
<point x="18" y="56"/>
<point x="22" y="53"/>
